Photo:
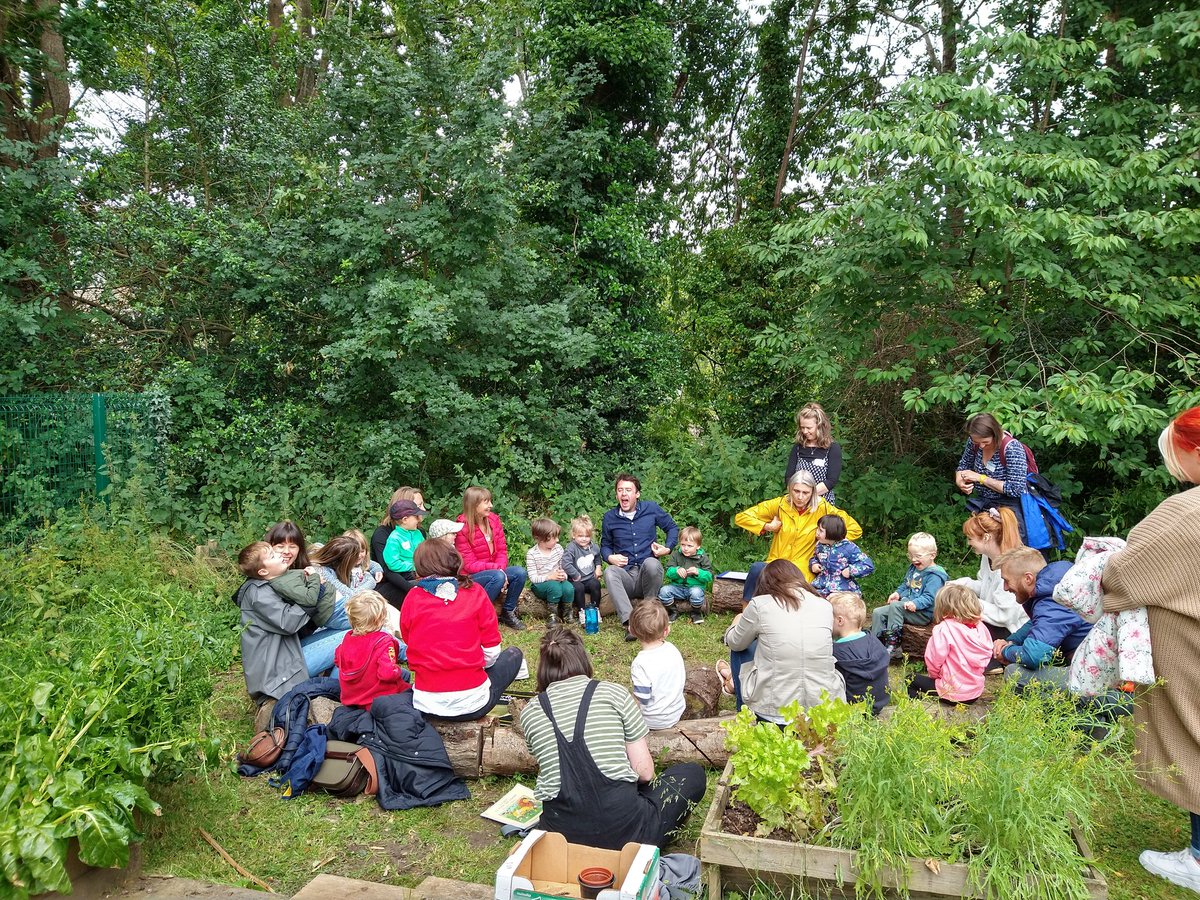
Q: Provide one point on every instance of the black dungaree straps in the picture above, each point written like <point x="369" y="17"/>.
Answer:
<point x="591" y="808"/>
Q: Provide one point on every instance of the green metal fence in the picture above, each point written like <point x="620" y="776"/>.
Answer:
<point x="57" y="449"/>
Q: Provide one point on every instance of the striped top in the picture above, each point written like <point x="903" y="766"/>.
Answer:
<point x="613" y="721"/>
<point x="540" y="564"/>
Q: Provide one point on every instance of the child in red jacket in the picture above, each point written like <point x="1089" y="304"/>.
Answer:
<point x="367" y="658"/>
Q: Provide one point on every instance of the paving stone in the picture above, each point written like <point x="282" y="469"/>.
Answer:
<point x="334" y="887"/>
<point x="434" y="888"/>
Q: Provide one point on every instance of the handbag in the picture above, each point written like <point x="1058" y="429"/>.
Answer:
<point x="348" y="770"/>
<point x="265" y="748"/>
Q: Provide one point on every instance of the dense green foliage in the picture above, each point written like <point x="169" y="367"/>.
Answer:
<point x="109" y="642"/>
<point x="1001" y="795"/>
<point x="531" y="244"/>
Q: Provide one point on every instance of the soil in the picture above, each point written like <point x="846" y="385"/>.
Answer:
<point x="111" y="884"/>
<point x="741" y="819"/>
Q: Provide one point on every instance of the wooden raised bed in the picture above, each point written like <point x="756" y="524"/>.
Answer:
<point x="739" y="862"/>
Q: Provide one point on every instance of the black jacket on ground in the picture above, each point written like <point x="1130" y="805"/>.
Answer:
<point x="414" y="767"/>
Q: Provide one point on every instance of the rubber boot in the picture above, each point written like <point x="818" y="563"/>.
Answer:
<point x="509" y="617"/>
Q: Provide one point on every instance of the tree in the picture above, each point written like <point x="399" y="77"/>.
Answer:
<point x="1017" y="235"/>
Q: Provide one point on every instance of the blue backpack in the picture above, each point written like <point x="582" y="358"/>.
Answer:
<point x="1044" y="524"/>
<point x="305" y="762"/>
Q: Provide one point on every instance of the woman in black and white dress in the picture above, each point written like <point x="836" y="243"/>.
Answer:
<point x="815" y="451"/>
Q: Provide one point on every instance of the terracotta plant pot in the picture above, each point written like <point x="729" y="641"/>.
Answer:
<point x="593" y="880"/>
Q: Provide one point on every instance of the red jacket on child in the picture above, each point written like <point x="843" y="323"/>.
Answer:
<point x="367" y="668"/>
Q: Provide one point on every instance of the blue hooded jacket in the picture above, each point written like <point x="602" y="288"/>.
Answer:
<point x="1051" y="626"/>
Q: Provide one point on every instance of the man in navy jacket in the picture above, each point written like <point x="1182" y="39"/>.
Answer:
<point x="629" y="544"/>
<point x="1053" y="631"/>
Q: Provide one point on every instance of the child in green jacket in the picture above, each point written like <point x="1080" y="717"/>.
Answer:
<point x="689" y="573"/>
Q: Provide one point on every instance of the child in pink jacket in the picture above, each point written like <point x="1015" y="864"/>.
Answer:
<point x="959" y="650"/>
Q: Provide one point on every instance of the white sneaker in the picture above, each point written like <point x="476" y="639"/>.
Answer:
<point x="523" y="672"/>
<point x="582" y="617"/>
<point x="1179" y="868"/>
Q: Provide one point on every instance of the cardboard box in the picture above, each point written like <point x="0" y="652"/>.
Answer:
<point x="545" y="866"/>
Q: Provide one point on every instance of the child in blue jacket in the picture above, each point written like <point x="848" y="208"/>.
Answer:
<point x="837" y="562"/>
<point x="912" y="602"/>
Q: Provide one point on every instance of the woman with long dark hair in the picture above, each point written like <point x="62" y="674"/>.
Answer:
<point x="484" y="550"/>
<point x="993" y="466"/>
<point x="288" y="540"/>
<point x="318" y="644"/>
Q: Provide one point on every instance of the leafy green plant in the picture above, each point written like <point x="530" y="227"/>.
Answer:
<point x="896" y="792"/>
<point x="786" y="775"/>
<point x="108" y="643"/>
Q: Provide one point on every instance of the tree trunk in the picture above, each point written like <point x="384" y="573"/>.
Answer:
<point x="55" y="95"/>
<point x="951" y="13"/>
<point x="727" y="595"/>
<point x="781" y="179"/>
<point x="10" y="91"/>
<point x="701" y="693"/>
<point x="485" y="747"/>
<point x="306" y="70"/>
<point x="275" y="20"/>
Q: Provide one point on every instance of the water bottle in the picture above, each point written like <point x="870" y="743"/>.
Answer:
<point x="591" y="620"/>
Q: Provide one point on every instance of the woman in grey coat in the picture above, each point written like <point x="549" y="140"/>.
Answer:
<point x="274" y="659"/>
<point x="790" y="628"/>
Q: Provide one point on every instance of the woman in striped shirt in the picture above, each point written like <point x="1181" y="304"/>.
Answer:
<point x="595" y="773"/>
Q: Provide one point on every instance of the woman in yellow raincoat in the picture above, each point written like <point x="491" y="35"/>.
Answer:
<point x="792" y="521"/>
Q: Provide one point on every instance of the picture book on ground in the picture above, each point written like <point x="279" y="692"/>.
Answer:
<point x="518" y="807"/>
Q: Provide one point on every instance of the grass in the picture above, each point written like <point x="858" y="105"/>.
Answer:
<point x="287" y="843"/>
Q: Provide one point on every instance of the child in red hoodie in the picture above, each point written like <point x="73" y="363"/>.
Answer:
<point x="367" y="658"/>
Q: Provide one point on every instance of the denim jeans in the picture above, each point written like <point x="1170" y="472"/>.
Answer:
<point x="338" y="619"/>
<point x="492" y="582"/>
<point x="694" y="594"/>
<point x="737" y="659"/>
<point x="752" y="581"/>
<point x="319" y="648"/>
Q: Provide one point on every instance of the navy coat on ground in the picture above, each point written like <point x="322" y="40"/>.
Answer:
<point x="414" y="768"/>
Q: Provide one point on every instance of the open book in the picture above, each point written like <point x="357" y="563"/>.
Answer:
<point x="518" y="807"/>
